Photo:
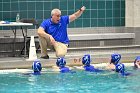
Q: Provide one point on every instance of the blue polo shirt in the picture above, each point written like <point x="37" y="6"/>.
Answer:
<point x="59" y="30"/>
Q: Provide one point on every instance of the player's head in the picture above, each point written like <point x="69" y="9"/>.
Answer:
<point x="36" y="66"/>
<point x="61" y="62"/>
<point x="120" y="68"/>
<point x="137" y="62"/>
<point x="115" y="58"/>
<point x="86" y="60"/>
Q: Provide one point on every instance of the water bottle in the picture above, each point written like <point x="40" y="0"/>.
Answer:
<point x="17" y="17"/>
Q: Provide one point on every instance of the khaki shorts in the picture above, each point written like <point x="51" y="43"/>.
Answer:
<point x="60" y="48"/>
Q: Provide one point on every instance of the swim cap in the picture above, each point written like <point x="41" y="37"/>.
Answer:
<point x="61" y="62"/>
<point x="115" y="58"/>
<point x="137" y="58"/>
<point x="36" y="66"/>
<point x="120" y="68"/>
<point x="86" y="60"/>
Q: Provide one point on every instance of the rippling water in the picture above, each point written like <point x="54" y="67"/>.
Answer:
<point x="79" y="82"/>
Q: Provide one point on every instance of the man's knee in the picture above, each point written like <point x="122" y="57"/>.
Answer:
<point x="61" y="49"/>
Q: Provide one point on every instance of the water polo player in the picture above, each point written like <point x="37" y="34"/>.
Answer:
<point x="36" y="66"/>
<point x="137" y="62"/>
<point x="86" y="60"/>
<point x="119" y="67"/>
<point x="61" y="64"/>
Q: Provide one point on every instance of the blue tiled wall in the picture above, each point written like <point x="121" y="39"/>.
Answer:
<point x="99" y="13"/>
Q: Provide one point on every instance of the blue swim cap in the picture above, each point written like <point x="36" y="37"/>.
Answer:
<point x="36" y="66"/>
<point x="115" y="58"/>
<point x="120" y="68"/>
<point x="86" y="60"/>
<point x="61" y="62"/>
<point x="137" y="58"/>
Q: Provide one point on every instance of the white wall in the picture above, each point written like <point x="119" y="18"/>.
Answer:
<point x="132" y="13"/>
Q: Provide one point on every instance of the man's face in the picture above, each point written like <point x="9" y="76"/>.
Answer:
<point x="56" y="17"/>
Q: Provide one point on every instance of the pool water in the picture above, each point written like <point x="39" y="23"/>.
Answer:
<point x="79" y="82"/>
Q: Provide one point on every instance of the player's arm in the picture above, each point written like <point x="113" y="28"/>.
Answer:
<point x="79" y="67"/>
<point x="55" y="68"/>
<point x="110" y="67"/>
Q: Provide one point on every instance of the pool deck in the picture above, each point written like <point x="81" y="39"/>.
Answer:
<point x="71" y="59"/>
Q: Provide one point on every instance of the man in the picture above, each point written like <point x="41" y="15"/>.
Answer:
<point x="53" y="32"/>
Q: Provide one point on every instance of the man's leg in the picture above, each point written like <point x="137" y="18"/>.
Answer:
<point x="61" y="49"/>
<point x="44" y="45"/>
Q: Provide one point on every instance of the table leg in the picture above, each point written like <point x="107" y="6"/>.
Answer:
<point x="25" y="49"/>
<point x="14" y="41"/>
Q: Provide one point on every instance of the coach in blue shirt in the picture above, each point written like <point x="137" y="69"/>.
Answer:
<point x="53" y="32"/>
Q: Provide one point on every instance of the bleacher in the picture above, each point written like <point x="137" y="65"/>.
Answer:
<point x="100" y="43"/>
<point x="82" y="40"/>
